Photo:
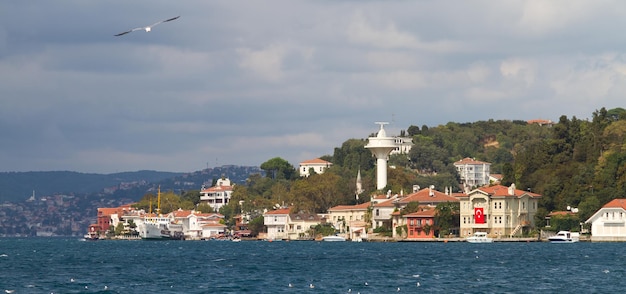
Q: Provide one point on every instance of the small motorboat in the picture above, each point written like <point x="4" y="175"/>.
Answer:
<point x="333" y="238"/>
<point x="565" y="237"/>
<point x="479" y="237"/>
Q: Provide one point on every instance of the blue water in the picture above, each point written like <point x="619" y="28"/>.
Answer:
<point x="54" y="265"/>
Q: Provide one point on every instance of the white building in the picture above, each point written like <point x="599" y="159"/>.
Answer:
<point x="218" y="195"/>
<point x="350" y="220"/>
<point x="473" y="173"/>
<point x="276" y="223"/>
<point x="318" y="165"/>
<point x="609" y="223"/>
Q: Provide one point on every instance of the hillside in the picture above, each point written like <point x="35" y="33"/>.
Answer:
<point x="19" y="186"/>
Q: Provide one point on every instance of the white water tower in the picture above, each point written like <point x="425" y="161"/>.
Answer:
<point x="381" y="146"/>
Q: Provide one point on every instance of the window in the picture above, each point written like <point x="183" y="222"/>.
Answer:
<point x="377" y="212"/>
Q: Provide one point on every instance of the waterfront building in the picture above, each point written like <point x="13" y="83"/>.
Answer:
<point x="420" y="224"/>
<point x="350" y="220"/>
<point x="609" y="222"/>
<point x="318" y="166"/>
<point x="427" y="198"/>
<point x="498" y="210"/>
<point x="276" y="223"/>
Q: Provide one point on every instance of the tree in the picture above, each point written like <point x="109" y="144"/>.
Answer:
<point x="278" y="168"/>
<point x="411" y="207"/>
<point x="446" y="216"/>
<point x="256" y="225"/>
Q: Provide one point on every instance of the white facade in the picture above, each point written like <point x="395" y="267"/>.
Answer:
<point x="217" y="196"/>
<point x="276" y="223"/>
<point x="404" y="145"/>
<point x="609" y="223"/>
<point x="473" y="173"/>
<point x="318" y="165"/>
<point x="350" y="220"/>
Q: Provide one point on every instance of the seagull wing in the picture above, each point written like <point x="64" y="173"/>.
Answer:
<point x="160" y="22"/>
<point x="129" y="31"/>
<point x="123" y="33"/>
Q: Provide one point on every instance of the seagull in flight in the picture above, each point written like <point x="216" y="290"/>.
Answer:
<point x="147" y="28"/>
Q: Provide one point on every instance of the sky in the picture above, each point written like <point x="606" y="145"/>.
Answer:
<point x="241" y="82"/>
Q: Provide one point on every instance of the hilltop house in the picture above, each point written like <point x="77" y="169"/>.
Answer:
<point x="318" y="165"/>
<point x="473" y="173"/>
<point x="218" y="195"/>
<point x="498" y="210"/>
<point x="609" y="222"/>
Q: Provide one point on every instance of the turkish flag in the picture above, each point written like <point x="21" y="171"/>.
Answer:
<point x="479" y="216"/>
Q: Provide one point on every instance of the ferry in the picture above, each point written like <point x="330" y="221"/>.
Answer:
<point x="479" y="237"/>
<point x="565" y="237"/>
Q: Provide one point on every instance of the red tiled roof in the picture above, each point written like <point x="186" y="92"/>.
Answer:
<point x="218" y="189"/>
<point x="553" y="213"/>
<point x="468" y="160"/>
<point x="279" y="211"/>
<point x="362" y="206"/>
<point x="616" y="203"/>
<point x="499" y="190"/>
<point x="422" y="213"/>
<point x="423" y="196"/>
<point x="315" y="161"/>
<point x="540" y="121"/>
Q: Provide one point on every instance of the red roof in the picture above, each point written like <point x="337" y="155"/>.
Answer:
<point x="428" y="195"/>
<point x="422" y="213"/>
<point x="315" y="161"/>
<point x="362" y="206"/>
<point x="218" y="189"/>
<point x="503" y="191"/>
<point x="616" y="203"/>
<point x="468" y="160"/>
<point x="279" y="211"/>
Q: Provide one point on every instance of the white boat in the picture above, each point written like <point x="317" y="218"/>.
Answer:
<point x="155" y="227"/>
<point x="333" y="238"/>
<point x="565" y="237"/>
<point x="479" y="237"/>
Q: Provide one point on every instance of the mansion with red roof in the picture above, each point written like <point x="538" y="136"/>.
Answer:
<point x="317" y="165"/>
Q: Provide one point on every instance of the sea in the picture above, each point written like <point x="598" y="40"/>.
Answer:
<point x="72" y="265"/>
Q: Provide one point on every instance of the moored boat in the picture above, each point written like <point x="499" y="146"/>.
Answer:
<point x="565" y="237"/>
<point x="479" y="237"/>
<point x="333" y="238"/>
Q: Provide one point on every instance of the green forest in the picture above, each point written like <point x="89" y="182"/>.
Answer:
<point x="572" y="162"/>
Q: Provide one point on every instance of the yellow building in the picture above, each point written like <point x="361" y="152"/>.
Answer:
<point x="498" y="210"/>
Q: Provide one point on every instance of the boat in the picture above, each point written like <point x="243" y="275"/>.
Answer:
<point x="91" y="237"/>
<point x="565" y="237"/>
<point x="155" y="226"/>
<point x="479" y="237"/>
<point x="92" y="234"/>
<point x="333" y="238"/>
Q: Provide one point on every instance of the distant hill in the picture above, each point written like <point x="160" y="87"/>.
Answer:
<point x="19" y="186"/>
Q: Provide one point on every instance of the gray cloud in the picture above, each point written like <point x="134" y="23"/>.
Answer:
<point x="241" y="82"/>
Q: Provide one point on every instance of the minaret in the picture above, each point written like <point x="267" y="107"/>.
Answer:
<point x="359" y="185"/>
<point x="381" y="146"/>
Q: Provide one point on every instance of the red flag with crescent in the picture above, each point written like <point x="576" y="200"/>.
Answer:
<point x="479" y="216"/>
